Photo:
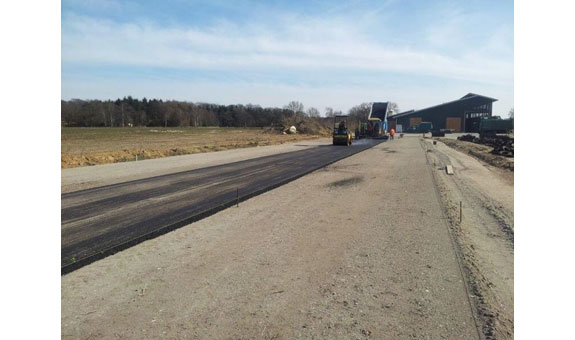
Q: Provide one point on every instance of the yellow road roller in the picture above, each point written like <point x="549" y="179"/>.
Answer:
<point x="341" y="133"/>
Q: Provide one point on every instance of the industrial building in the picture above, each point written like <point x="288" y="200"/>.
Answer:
<point x="461" y="115"/>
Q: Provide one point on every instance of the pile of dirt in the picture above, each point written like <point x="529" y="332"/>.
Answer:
<point x="469" y="138"/>
<point x="480" y="151"/>
<point x="313" y="127"/>
<point x="502" y="145"/>
<point x="126" y="155"/>
<point x="308" y="126"/>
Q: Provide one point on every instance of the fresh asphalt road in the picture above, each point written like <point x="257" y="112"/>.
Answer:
<point x="100" y="221"/>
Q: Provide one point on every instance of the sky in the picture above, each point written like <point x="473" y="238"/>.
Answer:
<point x="322" y="53"/>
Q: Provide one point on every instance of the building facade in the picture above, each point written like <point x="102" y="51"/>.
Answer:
<point x="461" y="115"/>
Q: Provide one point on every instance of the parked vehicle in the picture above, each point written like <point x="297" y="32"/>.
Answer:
<point x="493" y="126"/>
<point x="361" y="131"/>
<point x="423" y="127"/>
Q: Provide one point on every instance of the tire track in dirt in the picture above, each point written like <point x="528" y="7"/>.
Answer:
<point x="486" y="228"/>
<point x="464" y="270"/>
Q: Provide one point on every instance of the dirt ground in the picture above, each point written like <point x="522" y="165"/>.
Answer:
<point x="92" y="146"/>
<point x="485" y="233"/>
<point x="482" y="152"/>
<point x="360" y="249"/>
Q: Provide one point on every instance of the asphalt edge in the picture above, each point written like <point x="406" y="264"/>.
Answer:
<point x="164" y="230"/>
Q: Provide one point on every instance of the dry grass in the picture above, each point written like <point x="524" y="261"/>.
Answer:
<point x="91" y="146"/>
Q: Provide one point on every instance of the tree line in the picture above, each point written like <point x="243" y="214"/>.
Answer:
<point x="130" y="111"/>
<point x="134" y="112"/>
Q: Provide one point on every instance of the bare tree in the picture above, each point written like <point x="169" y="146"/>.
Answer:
<point x="511" y="113"/>
<point x="329" y="112"/>
<point x="295" y="107"/>
<point x="360" y="111"/>
<point x="313" y="112"/>
<point x="110" y="108"/>
<point x="393" y="107"/>
<point x="129" y="111"/>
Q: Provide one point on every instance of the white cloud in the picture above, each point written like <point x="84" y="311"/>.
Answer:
<point x="318" y="44"/>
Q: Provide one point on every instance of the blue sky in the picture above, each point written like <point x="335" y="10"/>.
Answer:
<point x="322" y="53"/>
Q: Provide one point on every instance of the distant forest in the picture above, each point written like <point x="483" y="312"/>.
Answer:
<point x="134" y="112"/>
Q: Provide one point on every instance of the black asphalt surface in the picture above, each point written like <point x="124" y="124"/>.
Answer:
<point x="101" y="221"/>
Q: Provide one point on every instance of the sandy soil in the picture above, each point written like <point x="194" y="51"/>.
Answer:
<point x="92" y="146"/>
<point x="359" y="249"/>
<point x="481" y="152"/>
<point x="105" y="174"/>
<point x="485" y="234"/>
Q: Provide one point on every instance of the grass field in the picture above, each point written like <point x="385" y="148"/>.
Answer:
<point x="91" y="146"/>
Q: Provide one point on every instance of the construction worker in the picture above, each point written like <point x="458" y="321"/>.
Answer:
<point x="392" y="132"/>
<point x="341" y="127"/>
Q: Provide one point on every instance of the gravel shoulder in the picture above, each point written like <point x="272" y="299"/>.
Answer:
<point x="485" y="233"/>
<point x="481" y="152"/>
<point x="359" y="249"/>
<point x="99" y="175"/>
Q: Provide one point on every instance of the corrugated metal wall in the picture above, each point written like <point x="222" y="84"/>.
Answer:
<point x="450" y="115"/>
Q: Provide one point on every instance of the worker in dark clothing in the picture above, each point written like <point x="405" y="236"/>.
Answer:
<point x="341" y="127"/>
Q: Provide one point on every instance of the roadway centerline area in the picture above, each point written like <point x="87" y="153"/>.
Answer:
<point x="100" y="221"/>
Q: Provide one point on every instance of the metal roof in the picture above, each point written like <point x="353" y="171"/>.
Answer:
<point x="401" y="114"/>
<point x="464" y="98"/>
<point x="472" y="95"/>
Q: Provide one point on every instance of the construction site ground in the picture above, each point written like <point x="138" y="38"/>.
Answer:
<point x="80" y="178"/>
<point x="481" y="152"/>
<point x="483" y="195"/>
<point x="368" y="247"/>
